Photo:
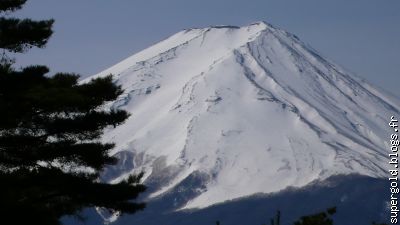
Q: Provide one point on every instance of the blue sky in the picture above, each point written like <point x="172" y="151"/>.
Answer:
<point x="361" y="35"/>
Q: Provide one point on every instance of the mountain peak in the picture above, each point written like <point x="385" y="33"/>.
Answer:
<point x="260" y="24"/>
<point x="230" y="35"/>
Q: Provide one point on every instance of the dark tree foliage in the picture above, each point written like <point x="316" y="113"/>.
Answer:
<point x="50" y="153"/>
<point x="322" y="218"/>
<point x="11" y="5"/>
<point x="19" y="35"/>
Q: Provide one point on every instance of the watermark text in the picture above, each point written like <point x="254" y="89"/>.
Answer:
<point x="393" y="171"/>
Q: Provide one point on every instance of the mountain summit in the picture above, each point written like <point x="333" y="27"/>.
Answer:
<point x="224" y="112"/>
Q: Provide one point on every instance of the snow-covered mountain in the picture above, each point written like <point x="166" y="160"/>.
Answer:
<point x="225" y="112"/>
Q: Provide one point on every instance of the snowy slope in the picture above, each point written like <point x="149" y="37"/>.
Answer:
<point x="248" y="109"/>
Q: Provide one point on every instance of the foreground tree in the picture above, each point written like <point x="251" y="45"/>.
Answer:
<point x="50" y="153"/>
<point x="322" y="218"/>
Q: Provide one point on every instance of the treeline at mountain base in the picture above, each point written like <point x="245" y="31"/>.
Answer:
<point x="321" y="218"/>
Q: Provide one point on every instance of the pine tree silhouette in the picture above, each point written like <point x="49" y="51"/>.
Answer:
<point x="50" y="153"/>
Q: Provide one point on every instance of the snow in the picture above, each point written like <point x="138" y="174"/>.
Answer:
<point x="252" y="107"/>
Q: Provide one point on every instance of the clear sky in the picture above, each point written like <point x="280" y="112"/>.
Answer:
<point x="91" y="35"/>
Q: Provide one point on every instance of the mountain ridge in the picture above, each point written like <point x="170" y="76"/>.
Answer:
<point x="244" y="110"/>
